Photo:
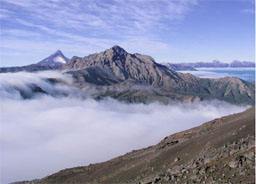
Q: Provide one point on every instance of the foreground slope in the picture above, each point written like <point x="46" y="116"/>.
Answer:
<point x="219" y="151"/>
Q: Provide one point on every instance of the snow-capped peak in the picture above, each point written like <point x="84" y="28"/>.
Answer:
<point x="56" y="59"/>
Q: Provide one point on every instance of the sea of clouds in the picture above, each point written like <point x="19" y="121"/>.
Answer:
<point x="47" y="133"/>
<point x="247" y="74"/>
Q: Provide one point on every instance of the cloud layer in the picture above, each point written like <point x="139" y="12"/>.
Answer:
<point x="46" y="134"/>
<point x="247" y="74"/>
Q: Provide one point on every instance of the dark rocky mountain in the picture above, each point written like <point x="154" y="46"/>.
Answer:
<point x="117" y="64"/>
<point x="213" y="64"/>
<point x="219" y="151"/>
<point x="53" y="62"/>
<point x="56" y="59"/>
<point x="115" y="73"/>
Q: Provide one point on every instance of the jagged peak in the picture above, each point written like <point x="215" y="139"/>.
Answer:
<point x="117" y="49"/>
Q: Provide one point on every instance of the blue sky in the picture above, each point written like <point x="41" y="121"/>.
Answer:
<point x="167" y="30"/>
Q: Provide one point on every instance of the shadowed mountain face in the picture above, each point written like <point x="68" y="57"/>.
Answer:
<point x="219" y="151"/>
<point x="115" y="68"/>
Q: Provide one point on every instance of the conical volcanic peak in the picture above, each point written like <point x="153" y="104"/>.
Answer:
<point x="55" y="59"/>
<point x="58" y="52"/>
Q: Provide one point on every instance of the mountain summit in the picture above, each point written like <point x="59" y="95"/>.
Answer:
<point x="117" y="74"/>
<point x="56" y="59"/>
<point x="120" y="65"/>
<point x="117" y="49"/>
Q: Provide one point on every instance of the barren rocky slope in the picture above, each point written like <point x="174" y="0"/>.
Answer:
<point x="219" y="151"/>
<point x="115" y="72"/>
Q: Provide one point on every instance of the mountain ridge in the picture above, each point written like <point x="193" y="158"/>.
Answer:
<point x="119" y="66"/>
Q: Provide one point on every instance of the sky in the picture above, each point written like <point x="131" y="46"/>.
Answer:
<point x="168" y="30"/>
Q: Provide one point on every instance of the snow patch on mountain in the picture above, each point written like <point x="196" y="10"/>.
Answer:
<point x="59" y="59"/>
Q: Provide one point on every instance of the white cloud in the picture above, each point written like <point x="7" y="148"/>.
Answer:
<point x="105" y="14"/>
<point x="242" y="73"/>
<point x="18" y="33"/>
<point x="46" y="134"/>
<point x="207" y="74"/>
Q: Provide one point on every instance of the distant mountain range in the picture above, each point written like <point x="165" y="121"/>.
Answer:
<point x="213" y="64"/>
<point x="138" y="78"/>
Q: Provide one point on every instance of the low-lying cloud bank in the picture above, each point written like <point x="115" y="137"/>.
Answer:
<point x="46" y="134"/>
<point x="18" y="85"/>
<point x="247" y="74"/>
